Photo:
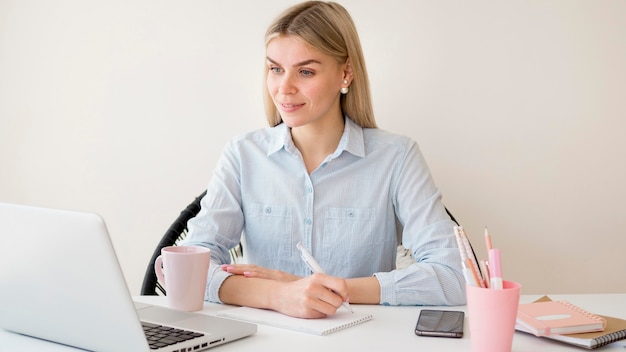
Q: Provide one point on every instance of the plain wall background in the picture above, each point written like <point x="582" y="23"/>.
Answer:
<point x="122" y="108"/>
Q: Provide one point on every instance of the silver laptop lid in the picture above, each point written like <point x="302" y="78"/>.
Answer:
<point x="60" y="281"/>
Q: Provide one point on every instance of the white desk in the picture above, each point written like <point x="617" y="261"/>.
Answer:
<point x="391" y="329"/>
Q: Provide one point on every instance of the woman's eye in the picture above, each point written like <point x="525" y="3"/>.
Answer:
<point x="275" y="69"/>
<point x="306" y="73"/>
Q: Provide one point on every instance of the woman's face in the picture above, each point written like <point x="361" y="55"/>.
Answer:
<point x="304" y="83"/>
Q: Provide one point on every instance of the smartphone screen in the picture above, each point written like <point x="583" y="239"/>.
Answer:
<point x="440" y="323"/>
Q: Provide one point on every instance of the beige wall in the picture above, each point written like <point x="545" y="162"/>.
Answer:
<point x="122" y="108"/>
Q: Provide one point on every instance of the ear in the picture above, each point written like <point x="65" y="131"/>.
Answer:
<point x="347" y="71"/>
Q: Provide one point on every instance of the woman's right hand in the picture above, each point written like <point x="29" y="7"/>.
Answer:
<point x="314" y="296"/>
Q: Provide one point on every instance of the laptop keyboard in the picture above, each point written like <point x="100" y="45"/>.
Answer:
<point x="160" y="336"/>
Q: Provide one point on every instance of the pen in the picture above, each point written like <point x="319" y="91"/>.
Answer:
<point x="315" y="267"/>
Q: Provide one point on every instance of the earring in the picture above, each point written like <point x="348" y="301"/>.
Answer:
<point x="344" y="90"/>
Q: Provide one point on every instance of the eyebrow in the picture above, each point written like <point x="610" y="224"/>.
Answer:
<point x="303" y="63"/>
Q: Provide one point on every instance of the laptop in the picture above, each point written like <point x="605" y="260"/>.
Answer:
<point x="60" y="281"/>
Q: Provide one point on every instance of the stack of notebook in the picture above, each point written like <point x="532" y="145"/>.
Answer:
<point x="565" y="322"/>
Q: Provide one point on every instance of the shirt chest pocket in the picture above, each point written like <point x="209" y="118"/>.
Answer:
<point x="269" y="230"/>
<point x="349" y="237"/>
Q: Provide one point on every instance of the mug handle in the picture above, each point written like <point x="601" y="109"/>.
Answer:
<point x="158" y="269"/>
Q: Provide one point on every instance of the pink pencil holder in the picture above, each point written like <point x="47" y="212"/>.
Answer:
<point x="492" y="314"/>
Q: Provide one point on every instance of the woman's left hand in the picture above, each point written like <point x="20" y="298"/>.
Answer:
<point x="250" y="270"/>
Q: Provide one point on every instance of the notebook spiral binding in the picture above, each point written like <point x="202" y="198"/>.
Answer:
<point x="610" y="338"/>
<point x="583" y="311"/>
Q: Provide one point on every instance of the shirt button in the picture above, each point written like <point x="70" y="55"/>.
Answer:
<point x="309" y="189"/>
<point x="268" y="210"/>
<point x="350" y="214"/>
<point x="307" y="221"/>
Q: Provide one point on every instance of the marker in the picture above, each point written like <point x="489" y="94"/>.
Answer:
<point x="495" y="269"/>
<point x="315" y="267"/>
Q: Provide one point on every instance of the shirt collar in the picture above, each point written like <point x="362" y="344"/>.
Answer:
<point x="351" y="140"/>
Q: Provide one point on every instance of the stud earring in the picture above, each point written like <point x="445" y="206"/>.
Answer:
<point x="344" y="90"/>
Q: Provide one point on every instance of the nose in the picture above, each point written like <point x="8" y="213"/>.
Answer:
<point x="286" y="85"/>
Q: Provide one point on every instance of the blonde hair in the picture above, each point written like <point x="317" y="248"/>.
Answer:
<point x="328" y="27"/>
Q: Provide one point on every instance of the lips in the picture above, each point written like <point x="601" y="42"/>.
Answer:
<point x="290" y="107"/>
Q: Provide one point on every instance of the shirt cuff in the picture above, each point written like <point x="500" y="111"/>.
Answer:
<point x="215" y="279"/>
<point x="387" y="290"/>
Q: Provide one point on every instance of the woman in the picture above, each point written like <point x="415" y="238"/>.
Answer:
<point x="322" y="174"/>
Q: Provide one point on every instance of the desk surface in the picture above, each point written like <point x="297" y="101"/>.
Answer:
<point x="391" y="328"/>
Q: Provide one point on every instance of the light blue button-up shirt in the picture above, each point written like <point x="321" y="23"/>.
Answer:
<point x="345" y="212"/>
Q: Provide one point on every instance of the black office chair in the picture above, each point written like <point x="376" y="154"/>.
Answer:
<point x="176" y="233"/>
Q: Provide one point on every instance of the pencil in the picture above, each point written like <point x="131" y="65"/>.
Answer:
<point x="459" y="242"/>
<point x="484" y="268"/>
<point x="470" y="256"/>
<point x="478" y="281"/>
<point x="488" y="239"/>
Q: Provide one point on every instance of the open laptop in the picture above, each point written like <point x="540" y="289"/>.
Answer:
<point x="60" y="281"/>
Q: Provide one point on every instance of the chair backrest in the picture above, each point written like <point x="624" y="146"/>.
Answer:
<point x="176" y="232"/>
<point x="452" y="217"/>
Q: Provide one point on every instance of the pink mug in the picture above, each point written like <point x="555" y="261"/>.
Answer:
<point x="183" y="270"/>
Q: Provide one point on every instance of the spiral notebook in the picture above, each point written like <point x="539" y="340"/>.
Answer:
<point x="557" y="317"/>
<point x="324" y="326"/>
<point x="615" y="331"/>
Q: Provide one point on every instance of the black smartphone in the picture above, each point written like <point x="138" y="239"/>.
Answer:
<point x="440" y="323"/>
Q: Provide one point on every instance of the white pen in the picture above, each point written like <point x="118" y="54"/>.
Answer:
<point x="315" y="267"/>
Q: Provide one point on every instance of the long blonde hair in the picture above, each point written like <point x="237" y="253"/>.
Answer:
<point x="328" y="27"/>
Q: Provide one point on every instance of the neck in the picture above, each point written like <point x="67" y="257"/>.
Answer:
<point x="315" y="143"/>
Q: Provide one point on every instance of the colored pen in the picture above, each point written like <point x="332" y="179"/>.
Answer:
<point x="315" y="267"/>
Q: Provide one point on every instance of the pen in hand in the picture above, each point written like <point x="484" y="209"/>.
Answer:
<point x="315" y="267"/>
